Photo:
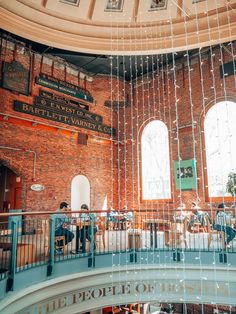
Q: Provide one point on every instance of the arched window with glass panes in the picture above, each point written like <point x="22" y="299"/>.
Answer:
<point x="220" y="144"/>
<point x="155" y="155"/>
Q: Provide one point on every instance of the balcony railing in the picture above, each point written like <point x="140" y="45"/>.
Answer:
<point x="27" y="241"/>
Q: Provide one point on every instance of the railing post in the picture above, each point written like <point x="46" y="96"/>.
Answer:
<point x="92" y="247"/>
<point x="91" y="260"/>
<point x="12" y="270"/>
<point x="51" y="246"/>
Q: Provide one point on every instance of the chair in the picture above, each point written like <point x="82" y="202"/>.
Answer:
<point x="60" y="243"/>
<point x="176" y="234"/>
<point x="199" y="228"/>
<point x="220" y="235"/>
<point x="101" y="230"/>
<point x="45" y="228"/>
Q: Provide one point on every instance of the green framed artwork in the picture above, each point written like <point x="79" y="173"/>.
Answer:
<point x="185" y="174"/>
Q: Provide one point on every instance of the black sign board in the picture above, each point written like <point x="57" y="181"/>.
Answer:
<point x="228" y="69"/>
<point x="63" y="87"/>
<point x="63" y="100"/>
<point x="47" y="103"/>
<point x="62" y="117"/>
<point x="15" y="77"/>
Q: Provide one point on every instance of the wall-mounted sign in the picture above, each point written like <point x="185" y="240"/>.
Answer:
<point x="63" y="100"/>
<point x="185" y="174"/>
<point x="37" y="187"/>
<point x="63" y="87"/>
<point x="51" y="104"/>
<point x="15" y="77"/>
<point x="62" y="117"/>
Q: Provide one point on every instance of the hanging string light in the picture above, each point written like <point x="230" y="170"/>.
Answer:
<point x="177" y="141"/>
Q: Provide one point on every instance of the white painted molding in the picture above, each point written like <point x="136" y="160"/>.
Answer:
<point x="98" y="288"/>
<point x="55" y="29"/>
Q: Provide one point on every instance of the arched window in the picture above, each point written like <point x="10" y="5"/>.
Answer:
<point x="155" y="162"/>
<point x="220" y="139"/>
<point x="80" y="192"/>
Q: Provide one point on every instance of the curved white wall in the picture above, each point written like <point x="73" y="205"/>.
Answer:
<point x="98" y="288"/>
<point x="88" y="27"/>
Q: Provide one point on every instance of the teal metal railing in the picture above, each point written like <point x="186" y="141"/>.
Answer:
<point x="33" y="239"/>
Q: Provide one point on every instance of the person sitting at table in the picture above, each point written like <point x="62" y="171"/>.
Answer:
<point x="112" y="220"/>
<point x="128" y="217"/>
<point x="61" y="228"/>
<point x="86" y="231"/>
<point x="198" y="217"/>
<point x="222" y="223"/>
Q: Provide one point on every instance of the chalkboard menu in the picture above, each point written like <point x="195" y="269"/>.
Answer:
<point x="15" y="77"/>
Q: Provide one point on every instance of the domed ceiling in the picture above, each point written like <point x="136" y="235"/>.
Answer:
<point x="121" y="27"/>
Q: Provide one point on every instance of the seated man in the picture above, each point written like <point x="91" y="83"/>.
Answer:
<point x="128" y="217"/>
<point x="86" y="231"/>
<point x="222" y="223"/>
<point x="61" y="227"/>
<point x="112" y="219"/>
<point x="198" y="217"/>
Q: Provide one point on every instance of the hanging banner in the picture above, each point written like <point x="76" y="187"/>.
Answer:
<point x="15" y="77"/>
<point x="62" y="117"/>
<point x="185" y="174"/>
<point x="63" y="87"/>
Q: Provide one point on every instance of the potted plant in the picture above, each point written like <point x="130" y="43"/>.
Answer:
<point x="231" y="184"/>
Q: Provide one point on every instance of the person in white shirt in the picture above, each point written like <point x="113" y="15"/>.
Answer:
<point x="128" y="215"/>
<point x="222" y="223"/>
<point x="198" y="216"/>
<point x="112" y="218"/>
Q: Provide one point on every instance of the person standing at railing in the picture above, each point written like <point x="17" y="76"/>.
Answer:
<point x="222" y="223"/>
<point x="87" y="232"/>
<point x="61" y="226"/>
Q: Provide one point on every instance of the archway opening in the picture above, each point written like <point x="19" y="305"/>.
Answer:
<point x="80" y="192"/>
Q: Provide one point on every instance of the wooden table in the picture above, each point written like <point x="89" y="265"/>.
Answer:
<point x="79" y="225"/>
<point x="155" y="225"/>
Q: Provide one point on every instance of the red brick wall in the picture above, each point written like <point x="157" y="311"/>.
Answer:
<point x="60" y="158"/>
<point x="157" y="99"/>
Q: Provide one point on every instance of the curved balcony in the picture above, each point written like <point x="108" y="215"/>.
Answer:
<point x="126" y="260"/>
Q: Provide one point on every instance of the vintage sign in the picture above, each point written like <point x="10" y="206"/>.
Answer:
<point x="67" y="109"/>
<point x="37" y="187"/>
<point x="62" y="117"/>
<point x="63" y="100"/>
<point x="15" y="77"/>
<point x="63" y="87"/>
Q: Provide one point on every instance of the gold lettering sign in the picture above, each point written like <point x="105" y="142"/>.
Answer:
<point x="63" y="117"/>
